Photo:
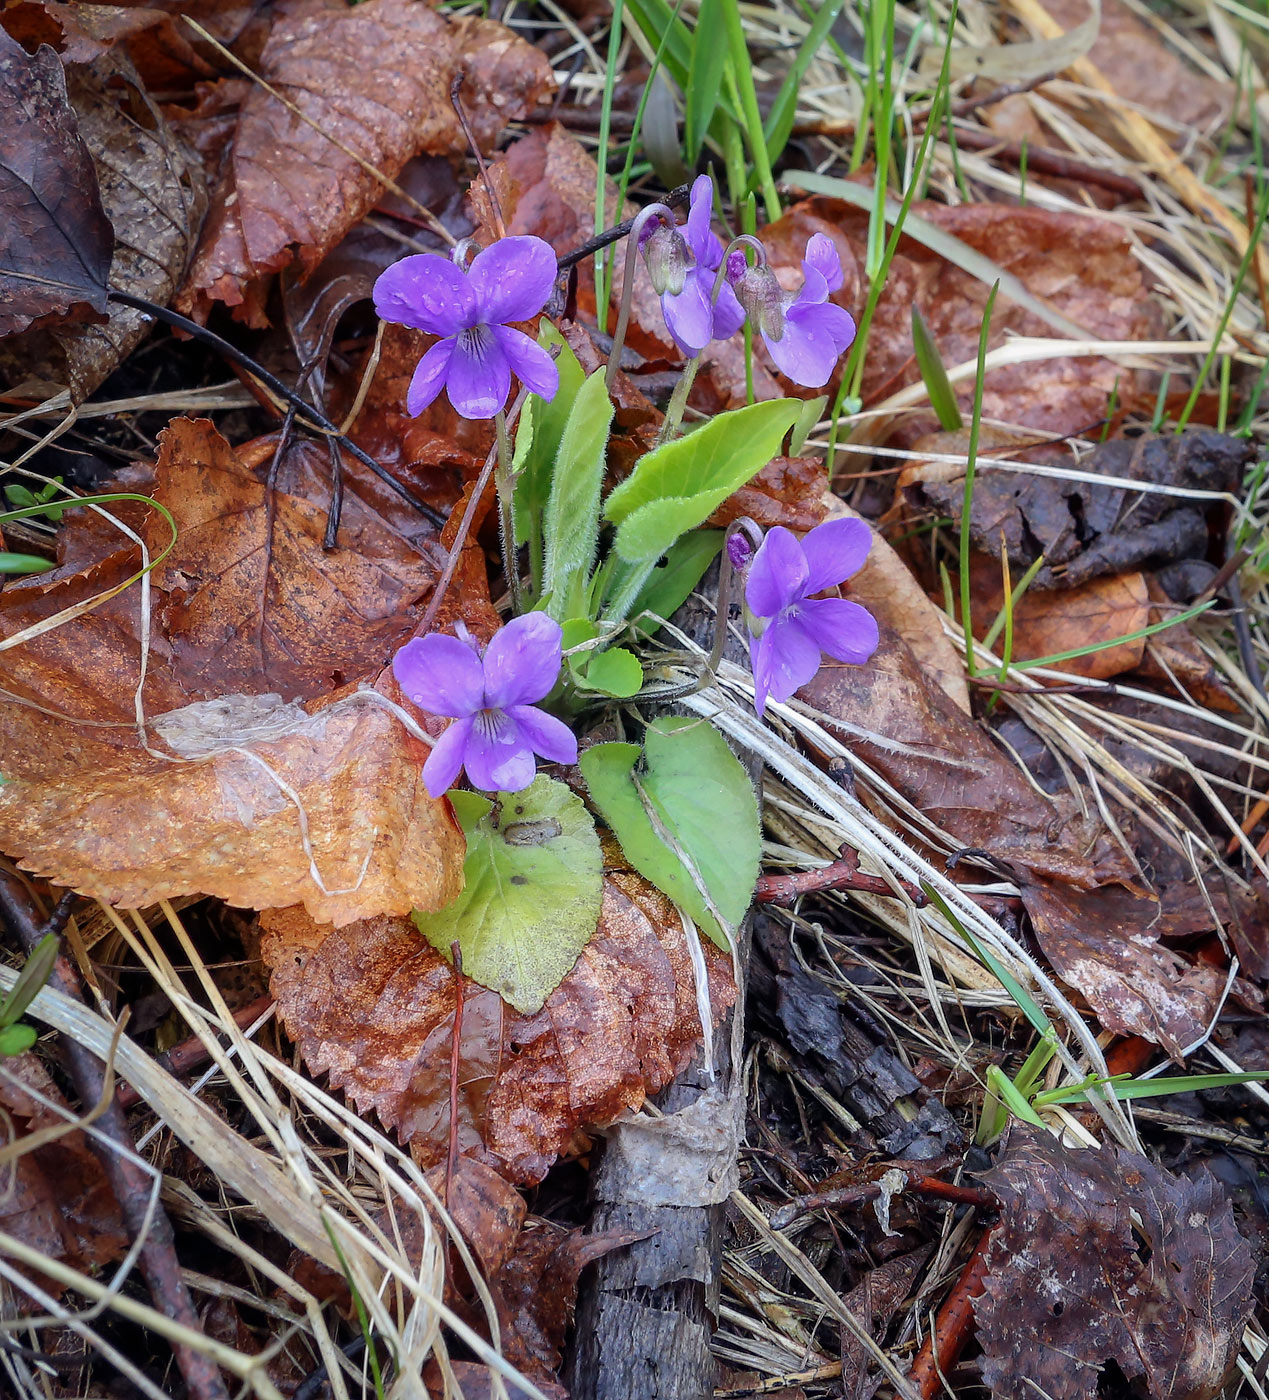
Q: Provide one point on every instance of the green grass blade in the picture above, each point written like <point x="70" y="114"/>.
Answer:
<point x="742" y="71"/>
<point x="1115" y="641"/>
<point x="1150" y="1088"/>
<point x="934" y="373"/>
<point x="705" y="75"/>
<point x="967" y="499"/>
<point x="604" y="257"/>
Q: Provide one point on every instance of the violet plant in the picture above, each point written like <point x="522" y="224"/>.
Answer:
<point x="590" y="574"/>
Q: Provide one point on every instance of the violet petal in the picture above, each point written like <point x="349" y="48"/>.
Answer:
<point x="479" y="376"/>
<point x="530" y="363"/>
<point x="729" y="315"/>
<point x="688" y="316"/>
<point x="522" y="662"/>
<point x="822" y="255"/>
<point x="428" y="292"/>
<point x="445" y="762"/>
<point x="701" y="239"/>
<point x="786" y="658"/>
<point x="834" y="551"/>
<point x="550" y="737"/>
<point x="777" y="576"/>
<point x="440" y="674"/>
<point x="813" y="340"/>
<point x="513" y="278"/>
<point x="497" y="757"/>
<point x="841" y="628"/>
<point x="429" y="376"/>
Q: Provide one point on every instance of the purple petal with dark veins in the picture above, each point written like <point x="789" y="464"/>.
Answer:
<point x="428" y="292"/>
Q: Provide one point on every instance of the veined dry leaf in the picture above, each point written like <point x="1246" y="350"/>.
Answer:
<point x="1046" y="624"/>
<point x="262" y="805"/>
<point x="373" y="1005"/>
<point x="55" y="238"/>
<point x="245" y="796"/>
<point x="155" y="201"/>
<point x="374" y="78"/>
<point x="1093" y="922"/>
<point x="323" y="618"/>
<point x="1101" y="1256"/>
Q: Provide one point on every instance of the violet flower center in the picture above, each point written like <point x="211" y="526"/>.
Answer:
<point x="490" y="724"/>
<point x="475" y="341"/>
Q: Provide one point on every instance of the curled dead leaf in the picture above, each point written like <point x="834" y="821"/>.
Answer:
<point x="373" y="1005"/>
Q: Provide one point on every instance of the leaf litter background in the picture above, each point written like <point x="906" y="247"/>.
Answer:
<point x="267" y="775"/>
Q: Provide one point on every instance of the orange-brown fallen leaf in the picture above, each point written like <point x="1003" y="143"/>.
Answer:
<point x="370" y="88"/>
<point x="232" y="789"/>
<point x="1046" y="624"/>
<point x="373" y="1005"/>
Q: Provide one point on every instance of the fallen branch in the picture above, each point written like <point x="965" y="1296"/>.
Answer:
<point x="131" y="1183"/>
<point x="952" y="1328"/>
<point x="842" y="874"/>
<point x="914" y="1181"/>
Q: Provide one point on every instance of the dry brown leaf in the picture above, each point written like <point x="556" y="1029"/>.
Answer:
<point x="373" y="1005"/>
<point x="55" y="238"/>
<point x="56" y="1198"/>
<point x="154" y="196"/>
<point x="1079" y="265"/>
<point x="269" y="806"/>
<point x="1046" y="624"/>
<point x="243" y="796"/>
<point x="1174" y="659"/>
<point x="376" y="79"/>
<point x="1100" y="1256"/>
<point x="1093" y="922"/>
<point x="1145" y="71"/>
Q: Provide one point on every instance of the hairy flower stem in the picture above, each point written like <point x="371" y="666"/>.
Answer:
<point x="641" y="221"/>
<point x="678" y="401"/>
<point x="505" y="484"/>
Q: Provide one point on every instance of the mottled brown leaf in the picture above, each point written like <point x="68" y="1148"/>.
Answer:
<point x="155" y="197"/>
<point x="373" y="82"/>
<point x="1101" y="1256"/>
<point x="55" y="238"/>
<point x="373" y="1005"/>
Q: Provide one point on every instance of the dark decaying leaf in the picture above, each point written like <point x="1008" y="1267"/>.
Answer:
<point x="56" y="1198"/>
<point x="1086" y="531"/>
<point x="55" y="238"/>
<point x="1100" y="1257"/>
<point x="373" y="85"/>
<point x="154" y="196"/>
<point x="1095" y="925"/>
<point x="373" y="1004"/>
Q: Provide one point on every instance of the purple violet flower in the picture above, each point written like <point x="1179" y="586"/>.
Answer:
<point x="788" y="628"/>
<point x="692" y="316"/>
<point x="804" y="332"/>
<point x="492" y="699"/>
<point x="511" y="280"/>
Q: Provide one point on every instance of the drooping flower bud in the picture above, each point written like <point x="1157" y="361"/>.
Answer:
<point x="667" y="257"/>
<point x="739" y="551"/>
<point x="761" y="296"/>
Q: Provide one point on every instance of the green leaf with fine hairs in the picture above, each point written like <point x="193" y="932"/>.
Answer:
<point x="674" y="578"/>
<point x="570" y="524"/>
<point x="934" y="373"/>
<point x="534" y="886"/>
<point x="809" y="415"/>
<point x="538" y="436"/>
<point x="677" y="486"/>
<point x="705" y="76"/>
<point x="686" y="817"/>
